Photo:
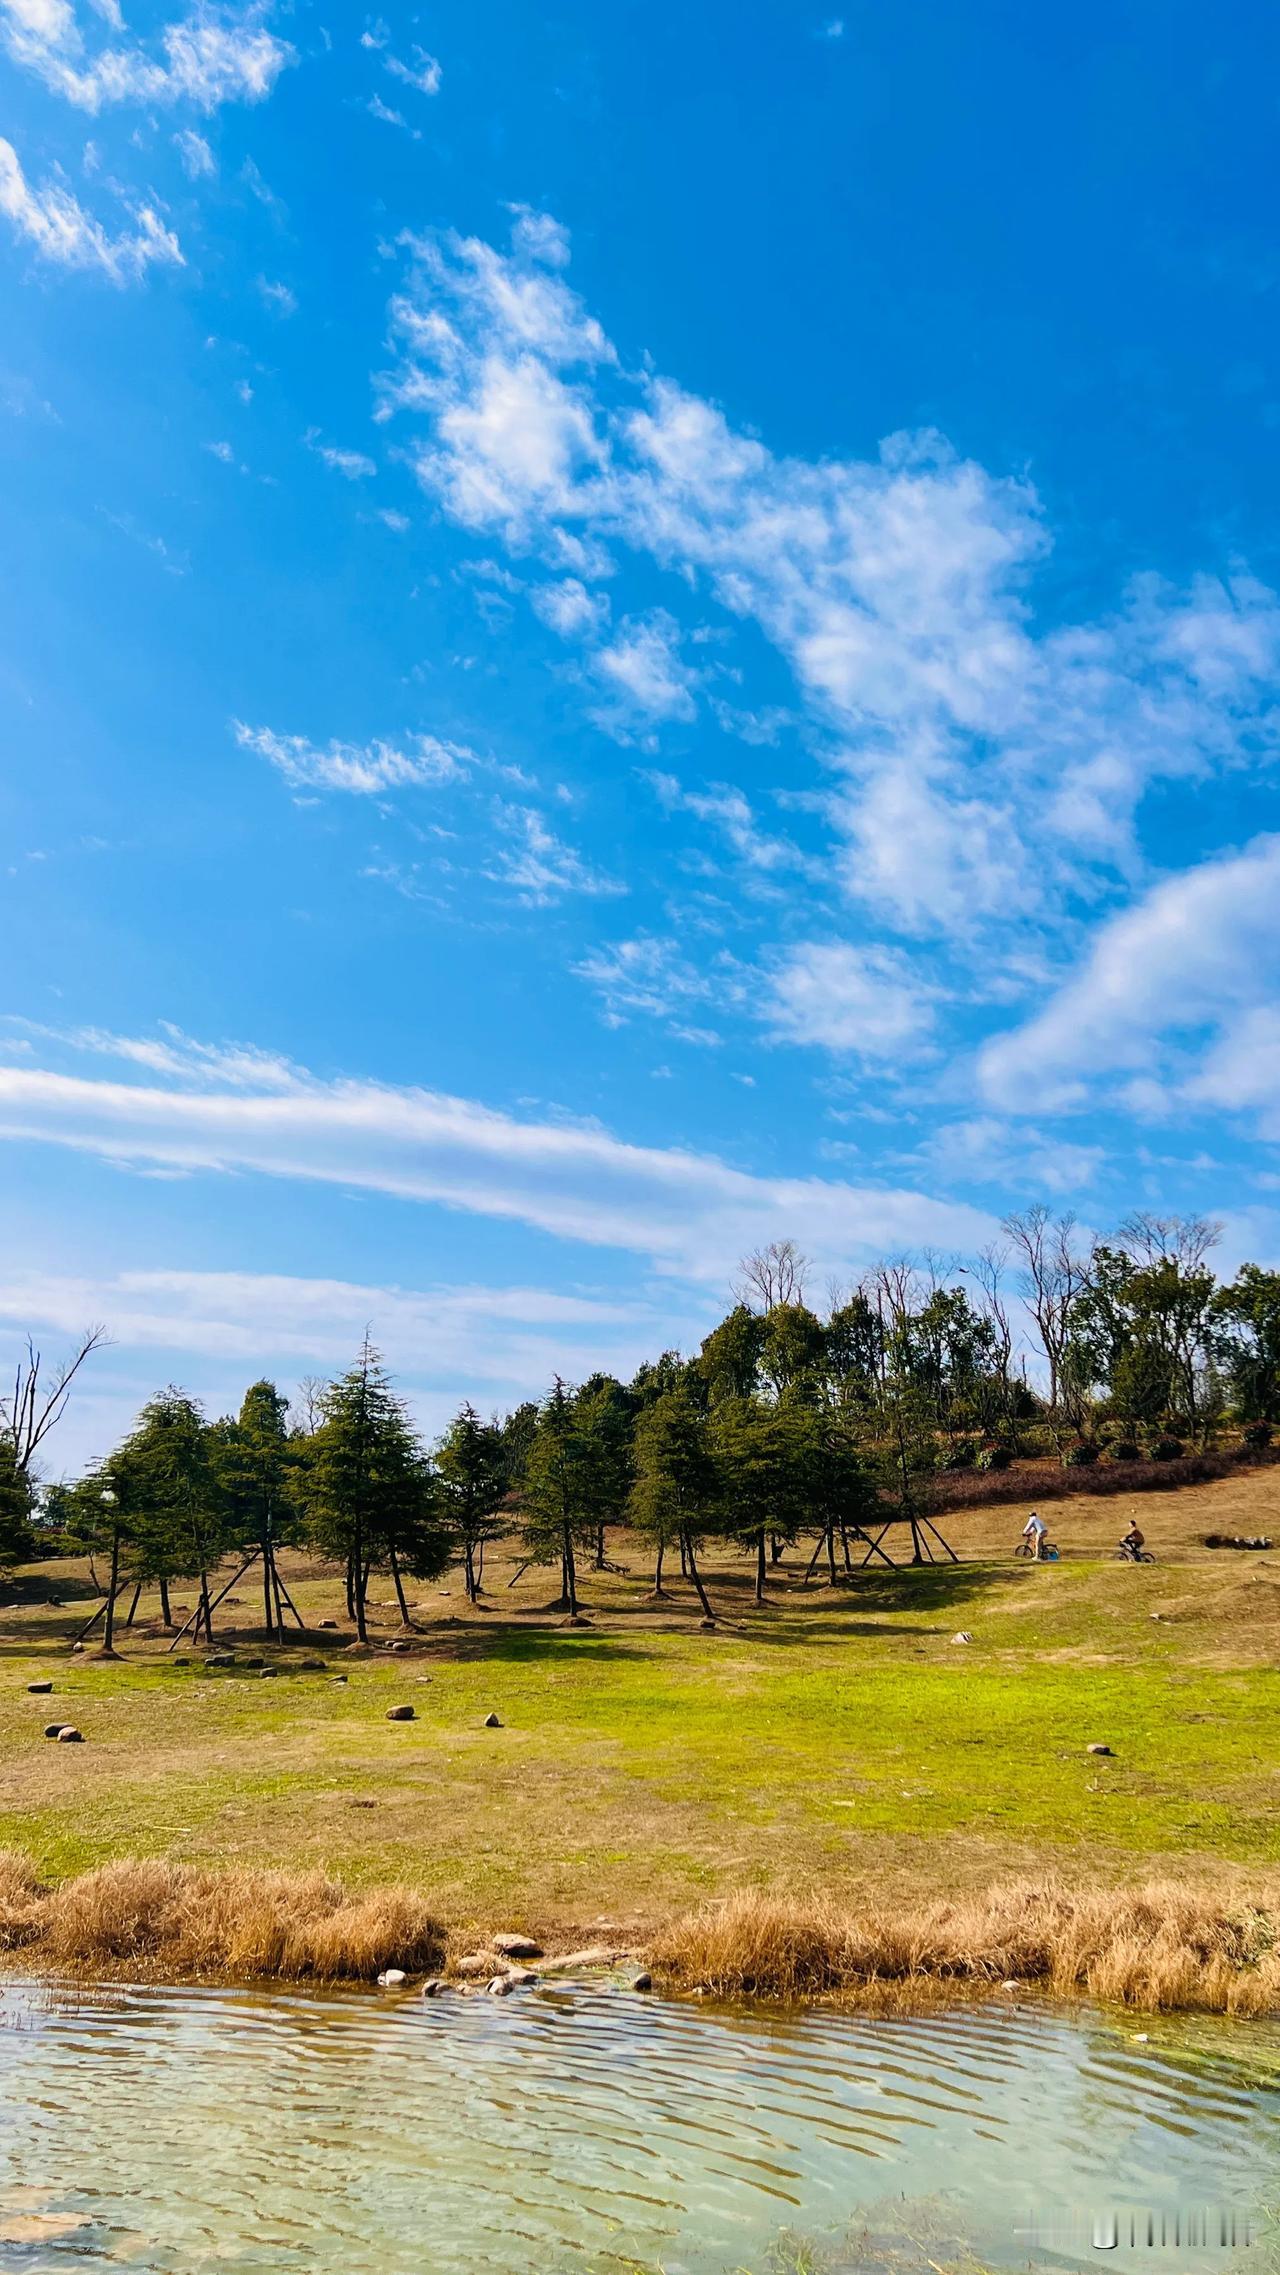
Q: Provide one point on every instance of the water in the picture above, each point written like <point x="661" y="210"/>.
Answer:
<point x="590" y="2128"/>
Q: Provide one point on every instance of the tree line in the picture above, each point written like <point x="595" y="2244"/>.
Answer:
<point x="792" y="1421"/>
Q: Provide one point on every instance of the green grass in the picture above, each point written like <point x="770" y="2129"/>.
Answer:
<point x="839" y="1738"/>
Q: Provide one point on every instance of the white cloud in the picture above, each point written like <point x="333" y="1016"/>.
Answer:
<point x="570" y="609"/>
<point x="687" y="1213"/>
<point x="197" y="158"/>
<point x="422" y="71"/>
<point x="353" y="465"/>
<point x="539" y="866"/>
<point x="988" y="772"/>
<point x="212" y="56"/>
<point x="862" y="1001"/>
<point x="1193" y="954"/>
<point x="652" y="977"/>
<point x="729" y="812"/>
<point x="61" y="231"/>
<point x="642" y="668"/>
<point x="278" y="297"/>
<point x="367" y="769"/>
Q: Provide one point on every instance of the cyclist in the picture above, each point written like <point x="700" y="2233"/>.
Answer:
<point x="1036" y="1531"/>
<point x="1133" y="1542"/>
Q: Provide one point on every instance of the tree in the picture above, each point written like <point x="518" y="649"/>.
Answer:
<point x="729" y="1361"/>
<point x="773" y="1275"/>
<point x="16" y="1542"/>
<point x="1245" y="1320"/>
<point x="676" y="1493"/>
<point x="793" y="1347"/>
<point x="169" y="1511"/>
<point x="367" y="1488"/>
<point x="604" y="1414"/>
<point x="1054" y="1274"/>
<point x="559" y="1511"/>
<point x="259" y="1467"/>
<point x="472" y="1469"/>
<point x="38" y="1402"/>
<point x="763" y="1456"/>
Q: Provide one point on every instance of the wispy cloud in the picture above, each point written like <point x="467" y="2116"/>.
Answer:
<point x="538" y="866"/>
<point x="687" y="1213"/>
<point x="197" y="158"/>
<point x="353" y="465"/>
<point x="210" y="57"/>
<point x="860" y="1002"/>
<point x="59" y="229"/>
<point x="366" y="769"/>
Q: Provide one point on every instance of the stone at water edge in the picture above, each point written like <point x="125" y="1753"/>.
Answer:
<point x="391" y="1978"/>
<point x="1011" y="1985"/>
<point x="434" y="1985"/>
<point x="39" y="1687"/>
<point x="499" y="1986"/>
<point x="491" y="1722"/>
<point x="517" y="1946"/>
<point x="70" y="1736"/>
<point x="642" y="1983"/>
<point x="400" y="1714"/>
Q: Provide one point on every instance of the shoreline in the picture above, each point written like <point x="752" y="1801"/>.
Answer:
<point x="1158" y="1946"/>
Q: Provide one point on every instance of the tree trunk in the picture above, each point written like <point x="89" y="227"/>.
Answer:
<point x="570" y="1574"/>
<point x="831" y="1554"/>
<point x="205" y="1613"/>
<point x="351" y="1586"/>
<point x="109" y="1631"/>
<point x="658" y="1588"/>
<point x="470" y="1582"/>
<point x="695" y="1575"/>
<point x="760" y="1566"/>
<point x="684" y="1559"/>
<point x="165" y="1613"/>
<point x="775" y="1548"/>
<point x="268" y="1608"/>
<point x="405" y="1620"/>
<point x="844" y="1543"/>
<point x="362" y="1588"/>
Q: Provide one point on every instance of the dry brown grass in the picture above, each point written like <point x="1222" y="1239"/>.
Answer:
<point x="174" y="1920"/>
<point x="1166" y="1944"/>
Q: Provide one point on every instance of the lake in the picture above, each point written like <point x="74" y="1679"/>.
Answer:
<point x="589" y="2127"/>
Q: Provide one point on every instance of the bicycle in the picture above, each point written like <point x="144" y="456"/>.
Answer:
<point x="1123" y="1555"/>
<point x="1048" y="1552"/>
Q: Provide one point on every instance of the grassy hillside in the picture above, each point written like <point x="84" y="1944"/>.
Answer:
<point x="839" y="1739"/>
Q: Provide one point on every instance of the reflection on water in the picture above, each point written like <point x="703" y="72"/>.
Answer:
<point x="590" y="2128"/>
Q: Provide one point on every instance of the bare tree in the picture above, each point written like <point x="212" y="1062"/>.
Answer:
<point x="1053" y="1275"/>
<point x="773" y="1275"/>
<point x="308" y="1405"/>
<point x="38" y="1405"/>
<point x="988" y="1269"/>
<point x="1181" y="1240"/>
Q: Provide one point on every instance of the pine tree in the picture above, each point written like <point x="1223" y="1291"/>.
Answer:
<point x="258" y="1462"/>
<point x="16" y="1542"/>
<point x="368" y="1489"/>
<point x="170" y="1511"/>
<point x="764" y="1454"/>
<point x="605" y="1417"/>
<point x="471" y="1467"/>
<point x="556" y="1497"/>
<point x="676" y="1494"/>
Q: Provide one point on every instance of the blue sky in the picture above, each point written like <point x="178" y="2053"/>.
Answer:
<point x="625" y="632"/>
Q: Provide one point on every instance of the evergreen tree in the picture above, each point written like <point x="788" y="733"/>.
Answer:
<point x="764" y="1454"/>
<point x="556" y="1497"/>
<point x="258" y="1462"/>
<point x="676" y="1495"/>
<point x="604" y="1414"/>
<point x="169" y="1511"/>
<point x="367" y="1487"/>
<point x="472" y="1472"/>
<point x="16" y="1541"/>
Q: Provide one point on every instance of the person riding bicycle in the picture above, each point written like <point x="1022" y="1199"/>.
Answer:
<point x="1035" y="1531"/>
<point x="1133" y="1542"/>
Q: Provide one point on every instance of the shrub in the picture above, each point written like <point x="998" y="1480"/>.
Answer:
<point x="993" y="1457"/>
<point x="1256" y="1438"/>
<point x="1124" y="1449"/>
<point x="1168" y="1449"/>
<point x="1082" y="1456"/>
<point x="962" y="1453"/>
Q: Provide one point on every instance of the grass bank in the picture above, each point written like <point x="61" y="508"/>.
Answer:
<point x="836" y="1746"/>
<point x="1165" y="1945"/>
